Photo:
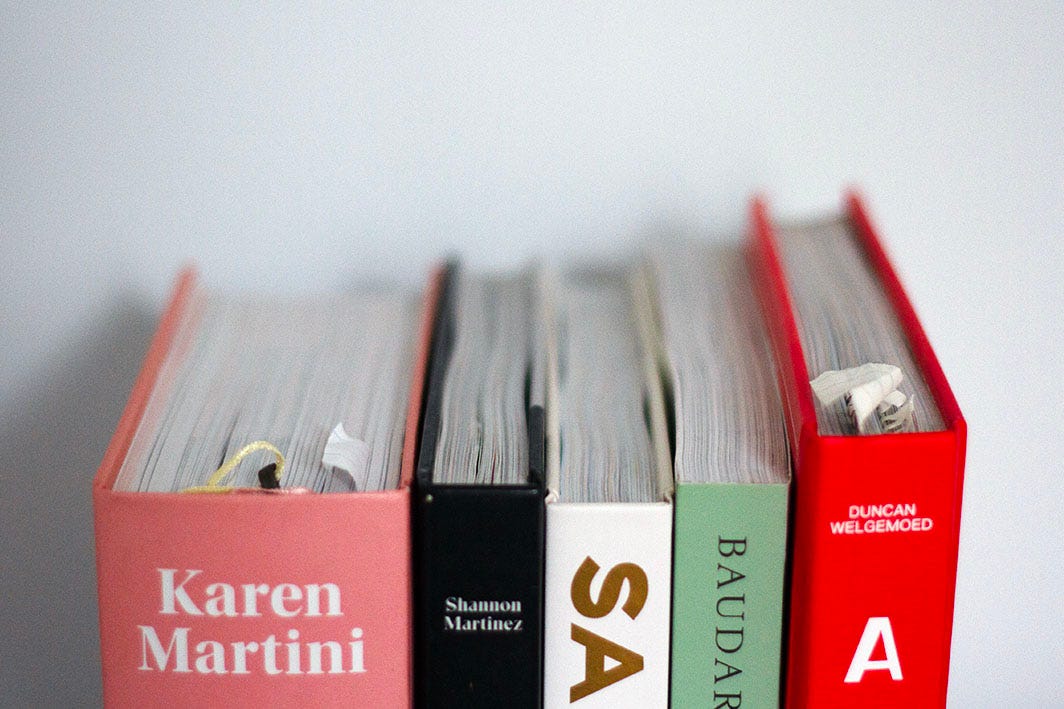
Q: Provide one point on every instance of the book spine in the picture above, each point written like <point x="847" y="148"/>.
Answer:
<point x="479" y="602"/>
<point x="727" y="613"/>
<point x="292" y="600"/>
<point x="873" y="572"/>
<point x="607" y="605"/>
<point x="876" y="521"/>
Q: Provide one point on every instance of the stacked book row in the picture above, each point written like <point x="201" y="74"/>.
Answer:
<point x="705" y="476"/>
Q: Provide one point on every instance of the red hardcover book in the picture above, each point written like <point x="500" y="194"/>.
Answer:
<point x="876" y="517"/>
<point x="253" y="599"/>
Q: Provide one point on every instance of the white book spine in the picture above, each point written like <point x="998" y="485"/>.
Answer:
<point x="608" y="591"/>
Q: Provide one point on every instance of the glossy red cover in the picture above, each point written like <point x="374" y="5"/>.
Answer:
<point x="853" y="568"/>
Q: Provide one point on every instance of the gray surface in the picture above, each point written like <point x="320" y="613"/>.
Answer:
<point x="317" y="146"/>
<point x="51" y="444"/>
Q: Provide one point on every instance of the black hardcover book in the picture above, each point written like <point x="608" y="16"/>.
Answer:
<point x="478" y="565"/>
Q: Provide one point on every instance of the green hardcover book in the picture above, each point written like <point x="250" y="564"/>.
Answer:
<point x="729" y="549"/>
<point x="732" y="481"/>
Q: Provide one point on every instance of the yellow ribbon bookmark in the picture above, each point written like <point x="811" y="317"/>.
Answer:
<point x="214" y="482"/>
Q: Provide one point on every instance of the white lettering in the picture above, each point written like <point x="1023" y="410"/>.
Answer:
<point x="314" y="591"/>
<point x="240" y="656"/>
<point x="176" y="595"/>
<point x="285" y="600"/>
<point x="269" y="655"/>
<point x="281" y="595"/>
<point x="882" y="526"/>
<point x="336" y="660"/>
<point x="887" y="510"/>
<point x="293" y="653"/>
<point x="221" y="600"/>
<point x="862" y="661"/>
<point x="178" y="645"/>
<point x="251" y="595"/>
<point x="358" y="660"/>
<point x="211" y="657"/>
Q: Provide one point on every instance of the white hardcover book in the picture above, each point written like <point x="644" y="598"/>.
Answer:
<point x="609" y="514"/>
<point x="608" y="581"/>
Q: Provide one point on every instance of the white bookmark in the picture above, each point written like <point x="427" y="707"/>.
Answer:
<point x="347" y="454"/>
<point x="868" y="390"/>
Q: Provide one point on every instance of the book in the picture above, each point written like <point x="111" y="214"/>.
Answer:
<point x="878" y="442"/>
<point x="478" y="502"/>
<point x="732" y="473"/>
<point x="609" y="510"/>
<point x="213" y="589"/>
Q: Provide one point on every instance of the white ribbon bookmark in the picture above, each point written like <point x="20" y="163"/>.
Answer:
<point x="350" y="455"/>
<point x="870" y="389"/>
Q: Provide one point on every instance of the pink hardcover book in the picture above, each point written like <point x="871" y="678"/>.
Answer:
<point x="253" y="599"/>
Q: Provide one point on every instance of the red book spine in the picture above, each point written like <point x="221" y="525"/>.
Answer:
<point x="876" y="521"/>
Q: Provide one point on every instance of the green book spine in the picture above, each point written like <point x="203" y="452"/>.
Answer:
<point x="730" y="547"/>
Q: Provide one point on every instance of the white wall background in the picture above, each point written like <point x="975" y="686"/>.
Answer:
<point x="310" y="146"/>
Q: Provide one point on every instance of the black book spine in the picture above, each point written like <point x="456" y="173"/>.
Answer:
<point x="479" y="606"/>
<point x="478" y="567"/>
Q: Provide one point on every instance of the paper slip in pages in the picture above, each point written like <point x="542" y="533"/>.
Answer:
<point x="847" y="324"/>
<point x="286" y="371"/>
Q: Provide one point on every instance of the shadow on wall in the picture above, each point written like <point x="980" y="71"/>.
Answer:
<point x="51" y="447"/>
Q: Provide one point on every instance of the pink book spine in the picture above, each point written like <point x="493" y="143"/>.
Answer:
<point x="253" y="600"/>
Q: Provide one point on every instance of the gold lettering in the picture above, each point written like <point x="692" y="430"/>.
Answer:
<point x="580" y="589"/>
<point x="596" y="650"/>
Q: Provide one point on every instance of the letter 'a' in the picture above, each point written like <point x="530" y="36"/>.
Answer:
<point x="596" y="650"/>
<point x="862" y="661"/>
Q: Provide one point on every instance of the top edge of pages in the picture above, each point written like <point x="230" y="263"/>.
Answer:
<point x="690" y="473"/>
